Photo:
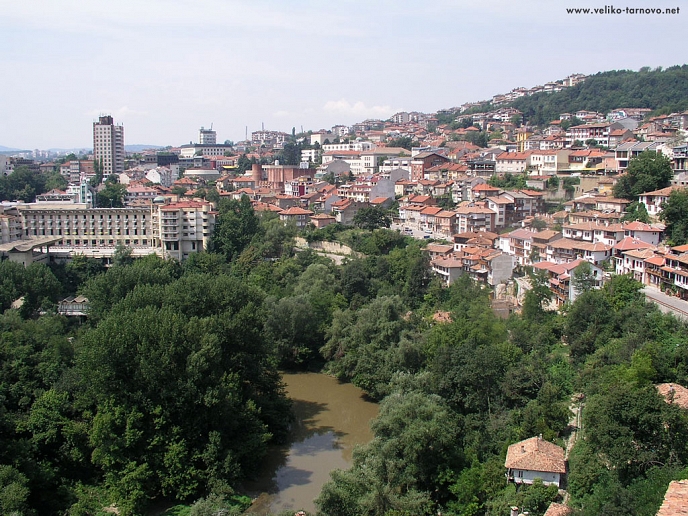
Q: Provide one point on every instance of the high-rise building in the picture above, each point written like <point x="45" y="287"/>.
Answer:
<point x="108" y="145"/>
<point x="207" y="136"/>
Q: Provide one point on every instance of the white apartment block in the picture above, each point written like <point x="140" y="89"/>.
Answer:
<point x="169" y="230"/>
<point x="310" y="155"/>
<point x="355" y="146"/>
<point x="162" y="176"/>
<point x="190" y="150"/>
<point x="341" y="130"/>
<point x="207" y="136"/>
<point x="268" y="137"/>
<point x="108" y="145"/>
<point x="10" y="228"/>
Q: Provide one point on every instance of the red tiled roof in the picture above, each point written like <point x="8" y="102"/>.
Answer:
<point x="484" y="187"/>
<point x="656" y="260"/>
<point x="628" y="243"/>
<point x="536" y="454"/>
<point x="663" y="191"/>
<point x="184" y="204"/>
<point x="675" y="500"/>
<point x="295" y="210"/>
<point x="674" y="393"/>
<point x="431" y="210"/>
<point x="557" y="509"/>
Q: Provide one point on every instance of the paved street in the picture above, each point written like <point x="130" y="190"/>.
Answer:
<point x="667" y="303"/>
<point x="417" y="233"/>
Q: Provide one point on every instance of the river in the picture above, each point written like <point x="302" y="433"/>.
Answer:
<point x="331" y="418"/>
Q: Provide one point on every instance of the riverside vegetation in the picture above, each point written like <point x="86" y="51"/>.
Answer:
<point x="170" y="391"/>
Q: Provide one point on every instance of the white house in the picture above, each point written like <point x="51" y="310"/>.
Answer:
<point x="535" y="458"/>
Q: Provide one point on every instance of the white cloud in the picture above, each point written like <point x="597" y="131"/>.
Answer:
<point x="345" y="108"/>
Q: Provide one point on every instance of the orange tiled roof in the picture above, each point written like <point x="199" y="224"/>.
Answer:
<point x="557" y="509"/>
<point x="675" y="500"/>
<point x="674" y="393"/>
<point x="536" y="454"/>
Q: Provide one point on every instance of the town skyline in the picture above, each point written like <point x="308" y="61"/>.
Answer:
<point x="165" y="69"/>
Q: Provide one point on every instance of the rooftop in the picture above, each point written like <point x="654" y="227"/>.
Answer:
<point x="675" y="500"/>
<point x="536" y="454"/>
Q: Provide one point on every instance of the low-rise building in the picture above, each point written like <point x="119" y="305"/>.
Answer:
<point x="169" y="230"/>
<point x="298" y="216"/>
<point x="560" y="277"/>
<point x="535" y="458"/>
<point x="653" y="200"/>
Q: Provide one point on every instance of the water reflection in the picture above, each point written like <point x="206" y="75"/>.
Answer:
<point x="331" y="418"/>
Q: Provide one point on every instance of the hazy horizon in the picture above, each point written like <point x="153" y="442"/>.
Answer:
<point x="164" y="69"/>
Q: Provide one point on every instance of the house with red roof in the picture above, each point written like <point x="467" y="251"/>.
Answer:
<point x="512" y="162"/>
<point x="650" y="233"/>
<point x="675" y="501"/>
<point x="535" y="458"/>
<point x="425" y="160"/>
<point x="557" y="509"/>
<point x="566" y="250"/>
<point x="483" y="191"/>
<point x="518" y="244"/>
<point x="474" y="217"/>
<point x="296" y="215"/>
<point x="653" y="200"/>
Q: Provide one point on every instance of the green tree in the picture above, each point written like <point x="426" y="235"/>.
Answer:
<point x="636" y="211"/>
<point x="112" y="196"/>
<point x="588" y="323"/>
<point x="405" y="142"/>
<point x="290" y="154"/>
<point x="22" y="185"/>
<point x="415" y="438"/>
<point x="633" y="428"/>
<point x="537" y="298"/>
<point x="55" y="180"/>
<point x="364" y="346"/>
<point x="646" y="172"/>
<point x="122" y="255"/>
<point x="236" y="225"/>
<point x="478" y="138"/>
<point x="99" y="169"/>
<point x="372" y="217"/>
<point x="14" y="492"/>
<point x="673" y="214"/>
<point x="583" y="278"/>
<point x="182" y="388"/>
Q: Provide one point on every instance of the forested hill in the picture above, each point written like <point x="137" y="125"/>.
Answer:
<point x="660" y="90"/>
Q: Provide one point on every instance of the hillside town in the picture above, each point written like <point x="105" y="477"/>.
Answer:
<point x="478" y="191"/>
<point x="491" y="193"/>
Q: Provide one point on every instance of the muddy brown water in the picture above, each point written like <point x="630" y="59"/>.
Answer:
<point x="331" y="419"/>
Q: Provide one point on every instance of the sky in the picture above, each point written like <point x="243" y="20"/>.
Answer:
<point x="164" y="68"/>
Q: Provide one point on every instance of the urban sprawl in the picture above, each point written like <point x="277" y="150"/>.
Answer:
<point x="437" y="179"/>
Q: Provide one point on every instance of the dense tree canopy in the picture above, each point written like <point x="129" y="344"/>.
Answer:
<point x="169" y="391"/>
<point x="654" y="89"/>
<point x="674" y="216"/>
<point x="646" y="172"/>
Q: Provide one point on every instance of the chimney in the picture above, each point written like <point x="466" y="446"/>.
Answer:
<point x="257" y="173"/>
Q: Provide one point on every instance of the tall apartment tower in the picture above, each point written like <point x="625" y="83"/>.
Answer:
<point x="108" y="145"/>
<point x="207" y="136"/>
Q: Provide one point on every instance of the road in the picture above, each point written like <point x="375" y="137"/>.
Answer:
<point x="667" y="304"/>
<point x="417" y="233"/>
